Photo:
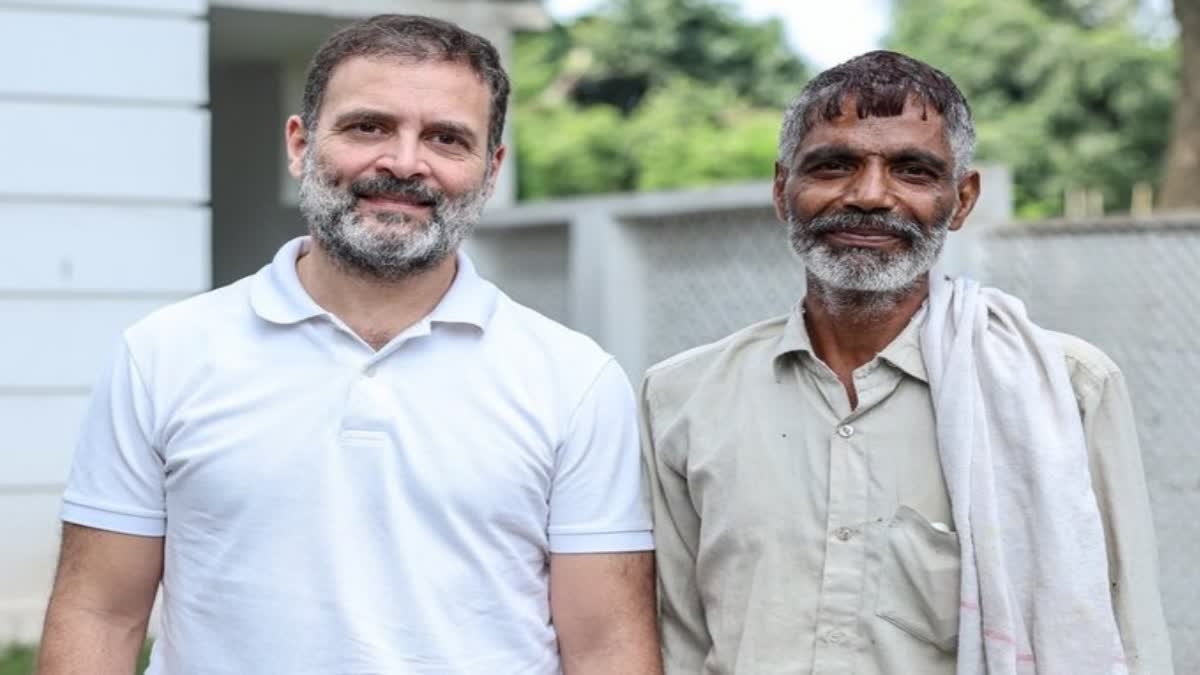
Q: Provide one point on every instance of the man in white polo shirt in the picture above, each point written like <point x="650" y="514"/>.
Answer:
<point x="364" y="458"/>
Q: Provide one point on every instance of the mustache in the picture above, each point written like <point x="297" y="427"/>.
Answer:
<point x="410" y="189"/>
<point x="865" y="223"/>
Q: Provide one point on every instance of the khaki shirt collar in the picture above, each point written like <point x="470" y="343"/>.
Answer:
<point x="904" y="352"/>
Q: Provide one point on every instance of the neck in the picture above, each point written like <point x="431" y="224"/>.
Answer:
<point x="376" y="310"/>
<point x="849" y="328"/>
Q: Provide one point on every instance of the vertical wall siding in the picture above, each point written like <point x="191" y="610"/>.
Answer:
<point x="104" y="195"/>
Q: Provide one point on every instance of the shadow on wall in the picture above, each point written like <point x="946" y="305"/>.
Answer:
<point x="249" y="219"/>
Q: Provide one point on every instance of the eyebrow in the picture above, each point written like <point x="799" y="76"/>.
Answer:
<point x="826" y="153"/>
<point x="362" y="115"/>
<point x="909" y="155"/>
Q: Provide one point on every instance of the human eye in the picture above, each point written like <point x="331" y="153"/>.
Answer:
<point x="367" y="128"/>
<point x="448" y="139"/>
<point x="917" y="172"/>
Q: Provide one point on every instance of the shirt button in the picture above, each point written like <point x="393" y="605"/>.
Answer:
<point x="369" y="371"/>
<point x="844" y="533"/>
<point x="845" y="431"/>
<point x="836" y="637"/>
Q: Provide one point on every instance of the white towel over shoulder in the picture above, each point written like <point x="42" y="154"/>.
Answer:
<point x="1035" y="593"/>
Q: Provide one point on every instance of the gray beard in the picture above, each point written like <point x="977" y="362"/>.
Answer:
<point x="865" y="281"/>
<point x="405" y="245"/>
<point x="862" y="269"/>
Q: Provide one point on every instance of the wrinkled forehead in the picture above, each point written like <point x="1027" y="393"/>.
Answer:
<point x="834" y="104"/>
<point x="876" y="123"/>
<point x="449" y="84"/>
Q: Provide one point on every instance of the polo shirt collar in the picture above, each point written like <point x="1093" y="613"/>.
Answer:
<point x="470" y="300"/>
<point x="277" y="295"/>
<point x="904" y="352"/>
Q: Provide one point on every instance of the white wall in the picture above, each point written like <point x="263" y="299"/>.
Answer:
<point x="104" y="192"/>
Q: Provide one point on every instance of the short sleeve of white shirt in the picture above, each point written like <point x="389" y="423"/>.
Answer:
<point x="597" y="502"/>
<point x="116" y="480"/>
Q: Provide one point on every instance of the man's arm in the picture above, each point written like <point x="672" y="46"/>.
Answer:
<point x="600" y="537"/>
<point x="101" y="602"/>
<point x="602" y="605"/>
<point x="1119" y="482"/>
<point x="685" y="637"/>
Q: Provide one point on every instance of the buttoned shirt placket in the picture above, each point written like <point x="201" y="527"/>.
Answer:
<point x="849" y="533"/>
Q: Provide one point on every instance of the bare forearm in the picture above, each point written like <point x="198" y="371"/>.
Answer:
<point x="626" y="655"/>
<point x="628" y="650"/>
<point x="81" y="642"/>
<point x="603" y="609"/>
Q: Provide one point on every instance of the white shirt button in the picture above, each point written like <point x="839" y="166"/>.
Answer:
<point x="369" y="371"/>
<point x="836" y="637"/>
<point x="843" y="533"/>
<point x="845" y="431"/>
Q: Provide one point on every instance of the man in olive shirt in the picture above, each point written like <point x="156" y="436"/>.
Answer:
<point x="803" y="518"/>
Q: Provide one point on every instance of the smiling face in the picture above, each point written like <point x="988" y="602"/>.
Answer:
<point x="869" y="201"/>
<point x="397" y="169"/>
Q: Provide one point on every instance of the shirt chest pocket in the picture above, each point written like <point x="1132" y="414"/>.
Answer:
<point x="919" y="586"/>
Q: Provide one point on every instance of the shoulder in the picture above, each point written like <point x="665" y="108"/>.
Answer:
<point x="716" y="364"/>
<point x="525" y="327"/>
<point x="1090" y="369"/>
<point x="563" y="363"/>
<point x="191" y="322"/>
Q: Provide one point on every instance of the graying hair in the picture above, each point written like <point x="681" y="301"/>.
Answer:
<point x="410" y="38"/>
<point x="882" y="83"/>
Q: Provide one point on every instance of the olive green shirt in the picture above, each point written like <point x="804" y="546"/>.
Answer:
<point x="795" y="535"/>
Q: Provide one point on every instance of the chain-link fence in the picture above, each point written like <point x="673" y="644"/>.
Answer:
<point x="708" y="275"/>
<point x="1133" y="289"/>
<point x="668" y="272"/>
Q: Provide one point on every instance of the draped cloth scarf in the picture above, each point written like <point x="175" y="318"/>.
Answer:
<point x="1034" y="589"/>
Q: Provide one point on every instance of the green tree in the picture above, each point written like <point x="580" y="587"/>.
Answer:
<point x="688" y="133"/>
<point x="650" y="94"/>
<point x="1066" y="92"/>
<point x="1183" y="160"/>
<point x="650" y="42"/>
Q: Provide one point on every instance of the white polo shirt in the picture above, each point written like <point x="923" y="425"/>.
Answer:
<point x="332" y="509"/>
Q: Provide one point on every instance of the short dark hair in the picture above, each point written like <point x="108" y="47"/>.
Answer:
<point x="882" y="83"/>
<point x="412" y="38"/>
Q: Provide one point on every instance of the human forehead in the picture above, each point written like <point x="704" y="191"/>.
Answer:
<point x="394" y="84"/>
<point x="919" y="125"/>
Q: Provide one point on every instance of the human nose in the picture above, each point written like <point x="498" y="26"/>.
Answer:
<point x="403" y="158"/>
<point x="869" y="189"/>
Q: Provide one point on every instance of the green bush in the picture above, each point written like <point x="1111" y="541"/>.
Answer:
<point x="19" y="659"/>
<point x="16" y="660"/>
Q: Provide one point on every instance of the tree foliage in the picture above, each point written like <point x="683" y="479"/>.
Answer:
<point x="657" y="94"/>
<point x="1066" y="92"/>
<point x="1183" y="159"/>
<point x="650" y="94"/>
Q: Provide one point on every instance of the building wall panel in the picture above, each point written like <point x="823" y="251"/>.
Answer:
<point x="63" y="344"/>
<point x="107" y="153"/>
<point x="102" y="249"/>
<point x="98" y="56"/>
